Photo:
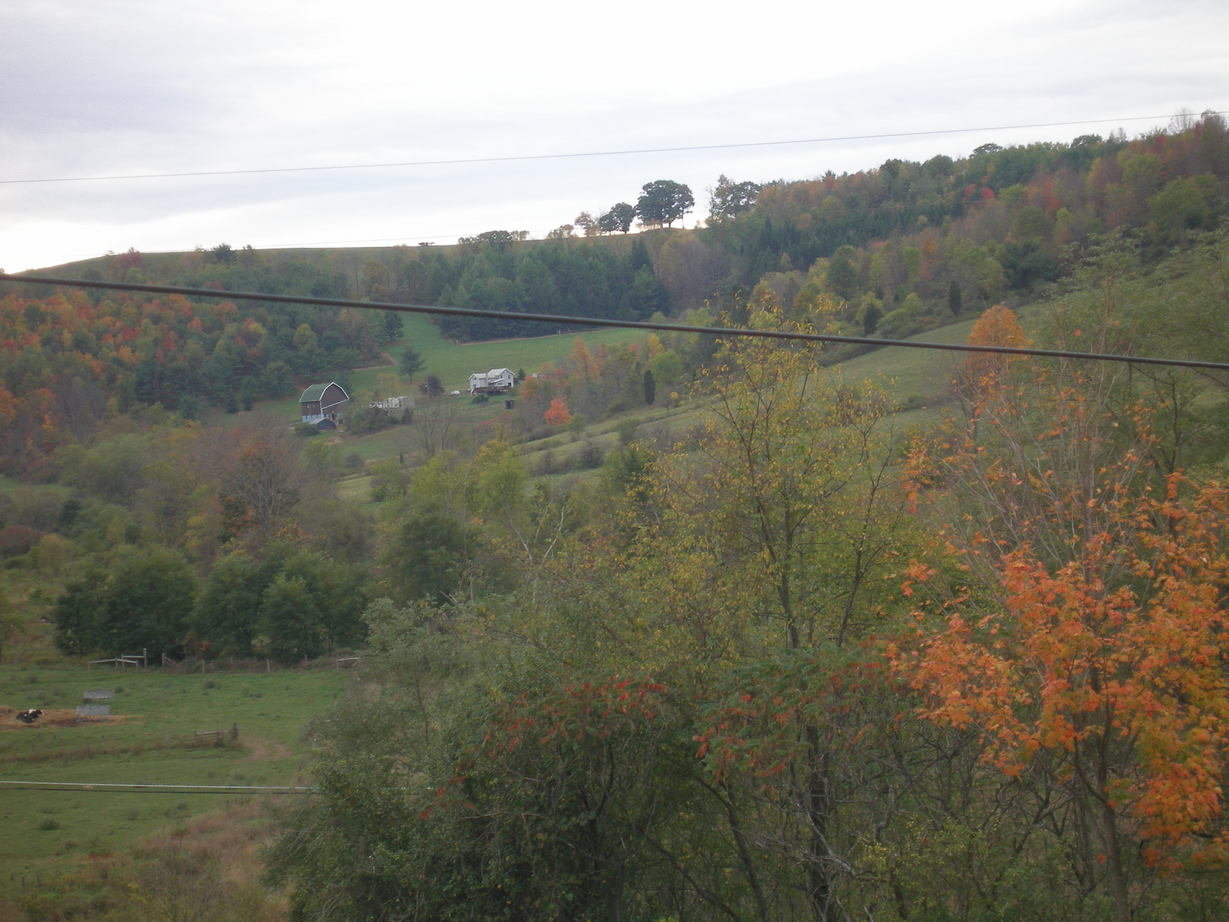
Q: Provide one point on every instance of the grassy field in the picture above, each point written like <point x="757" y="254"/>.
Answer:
<point x="148" y="740"/>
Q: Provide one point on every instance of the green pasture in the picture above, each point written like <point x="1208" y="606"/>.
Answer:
<point x="160" y="711"/>
<point x="912" y="376"/>
<point x="453" y="363"/>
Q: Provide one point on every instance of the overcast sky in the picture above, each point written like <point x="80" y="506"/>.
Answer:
<point x="145" y="86"/>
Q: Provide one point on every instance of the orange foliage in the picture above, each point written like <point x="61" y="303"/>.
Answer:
<point x="1101" y="633"/>
<point x="557" y="414"/>
<point x="1123" y="646"/>
<point x="997" y="326"/>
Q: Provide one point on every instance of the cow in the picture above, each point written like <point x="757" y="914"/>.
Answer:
<point x="28" y="717"/>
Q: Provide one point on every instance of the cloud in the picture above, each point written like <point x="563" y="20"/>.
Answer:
<point x="140" y="86"/>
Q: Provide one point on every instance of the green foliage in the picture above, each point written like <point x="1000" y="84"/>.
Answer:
<point x="664" y="201"/>
<point x="389" y="480"/>
<point x="411" y="362"/>
<point x="290" y="625"/>
<point x="730" y="199"/>
<point x="618" y="218"/>
<point x="363" y="420"/>
<point x="1003" y="220"/>
<point x="429" y="556"/>
<point x="571" y="782"/>
<point x="230" y="598"/>
<point x="590" y="280"/>
<point x="288" y="605"/>
<point x="140" y="600"/>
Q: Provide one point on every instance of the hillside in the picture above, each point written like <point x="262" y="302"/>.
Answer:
<point x="648" y="623"/>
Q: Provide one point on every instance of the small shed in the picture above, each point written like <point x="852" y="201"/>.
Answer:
<point x="393" y="403"/>
<point x="321" y="402"/>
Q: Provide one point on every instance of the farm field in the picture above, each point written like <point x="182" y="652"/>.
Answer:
<point x="451" y="362"/>
<point x="147" y="740"/>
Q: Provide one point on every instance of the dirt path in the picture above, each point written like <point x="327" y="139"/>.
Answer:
<point x="260" y="749"/>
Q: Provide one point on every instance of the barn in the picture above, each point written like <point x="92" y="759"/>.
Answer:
<point x="323" y="403"/>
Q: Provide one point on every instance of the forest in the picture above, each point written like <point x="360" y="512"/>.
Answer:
<point x="786" y="643"/>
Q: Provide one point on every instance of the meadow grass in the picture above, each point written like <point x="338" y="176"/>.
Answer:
<point x="159" y="710"/>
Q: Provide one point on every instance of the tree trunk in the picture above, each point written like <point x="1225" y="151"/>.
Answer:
<point x="818" y="811"/>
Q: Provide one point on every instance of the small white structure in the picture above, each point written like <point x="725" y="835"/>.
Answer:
<point x="393" y="403"/>
<point x="495" y="381"/>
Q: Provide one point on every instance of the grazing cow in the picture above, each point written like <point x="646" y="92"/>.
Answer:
<point x="28" y="717"/>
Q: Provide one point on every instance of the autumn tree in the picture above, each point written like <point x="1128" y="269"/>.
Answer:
<point x="557" y="414"/>
<point x="1079" y="646"/>
<point x="981" y="374"/>
<point x="585" y="221"/>
<point x="263" y="487"/>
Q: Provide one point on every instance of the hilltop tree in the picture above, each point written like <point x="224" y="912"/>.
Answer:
<point x="664" y="201"/>
<point x="585" y="222"/>
<point x="618" y="218"/>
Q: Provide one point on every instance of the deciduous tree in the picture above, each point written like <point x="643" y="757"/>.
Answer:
<point x="728" y="199"/>
<point x="557" y="414"/>
<point x="664" y="201"/>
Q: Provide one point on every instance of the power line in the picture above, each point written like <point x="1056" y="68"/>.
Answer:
<point x="575" y="155"/>
<point x="118" y="788"/>
<point x="648" y="325"/>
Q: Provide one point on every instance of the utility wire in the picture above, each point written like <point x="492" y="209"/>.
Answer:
<point x="564" y="320"/>
<point x="115" y="788"/>
<point x="514" y="158"/>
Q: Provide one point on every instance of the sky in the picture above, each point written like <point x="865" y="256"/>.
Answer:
<point x="94" y="91"/>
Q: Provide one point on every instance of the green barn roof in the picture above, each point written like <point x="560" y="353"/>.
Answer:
<point x="315" y="392"/>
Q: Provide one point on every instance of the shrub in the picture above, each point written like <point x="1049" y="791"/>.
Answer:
<point x="591" y="455"/>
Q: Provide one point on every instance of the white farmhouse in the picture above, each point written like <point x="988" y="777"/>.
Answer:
<point x="495" y="381"/>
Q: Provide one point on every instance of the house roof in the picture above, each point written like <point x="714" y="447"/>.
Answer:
<point x="316" y="391"/>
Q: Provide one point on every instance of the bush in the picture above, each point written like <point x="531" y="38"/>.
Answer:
<point x="546" y="464"/>
<point x="591" y="455"/>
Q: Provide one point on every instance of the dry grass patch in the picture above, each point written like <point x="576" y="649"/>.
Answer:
<point x="206" y="869"/>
